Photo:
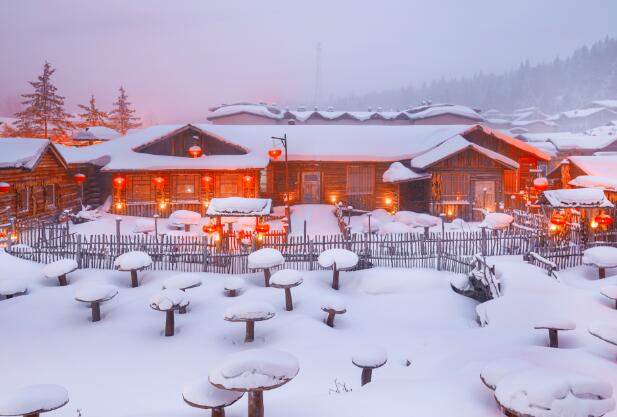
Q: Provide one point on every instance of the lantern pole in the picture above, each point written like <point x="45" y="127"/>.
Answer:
<point x="283" y="140"/>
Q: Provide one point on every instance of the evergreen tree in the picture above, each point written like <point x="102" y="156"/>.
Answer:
<point x="123" y="117"/>
<point x="92" y="116"/>
<point x="44" y="115"/>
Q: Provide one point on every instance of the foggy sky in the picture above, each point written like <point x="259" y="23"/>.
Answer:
<point x="177" y="58"/>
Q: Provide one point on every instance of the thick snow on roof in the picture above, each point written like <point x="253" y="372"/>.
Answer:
<point x="597" y="165"/>
<point x="445" y="109"/>
<point x="256" y="109"/>
<point x="400" y="173"/>
<point x="597" y="138"/>
<point x="21" y="152"/>
<point x="239" y="206"/>
<point x="590" y="181"/>
<point x="578" y="113"/>
<point x="577" y="197"/>
<point x="96" y="133"/>
<point x="609" y="104"/>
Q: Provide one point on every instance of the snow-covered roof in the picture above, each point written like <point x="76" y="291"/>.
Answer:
<point x="239" y="206"/>
<point x="597" y="138"/>
<point x="580" y="113"/>
<point x="400" y="173"/>
<point x="524" y="123"/>
<point x="609" y="104"/>
<point x="249" y="108"/>
<point x="591" y="181"/>
<point x="21" y="152"/>
<point x="597" y="165"/>
<point x="444" y="109"/>
<point x="96" y="133"/>
<point x="575" y="198"/>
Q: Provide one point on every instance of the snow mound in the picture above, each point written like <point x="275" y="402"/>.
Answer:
<point x="286" y="277"/>
<point x="426" y="220"/>
<point x="88" y="214"/>
<point x="32" y="399"/>
<point x="497" y="221"/>
<point x="234" y="283"/>
<point x="394" y="228"/>
<point x="132" y="260"/>
<point x="604" y="331"/>
<point x="343" y="258"/>
<point x="492" y="373"/>
<point x="601" y="256"/>
<point x="609" y="292"/>
<point x="334" y="303"/>
<point x="406" y="217"/>
<point x="60" y="267"/>
<point x="382" y="215"/>
<point x="541" y="392"/>
<point x="203" y="393"/>
<point x="399" y="172"/>
<point x="375" y="223"/>
<point x="183" y="281"/>
<point x="95" y="292"/>
<point x="250" y="311"/>
<point x="169" y="299"/>
<point x="182" y="217"/>
<point x="370" y="357"/>
<point x="265" y="258"/>
<point x="255" y="369"/>
<point x="12" y="286"/>
<point x="143" y="225"/>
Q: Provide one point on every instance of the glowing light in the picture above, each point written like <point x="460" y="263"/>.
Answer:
<point x="594" y="224"/>
<point x="208" y="228"/>
<point x="558" y="219"/>
<point x="207" y="179"/>
<point x="274" y="153"/>
<point x="540" y="184"/>
<point x="162" y="205"/>
<point x="4" y="187"/>
<point x="553" y="227"/>
<point x="388" y="201"/>
<point x="79" y="178"/>
<point x="248" y="178"/>
<point x="333" y="199"/>
<point x="450" y="213"/>
<point x="195" y="151"/>
<point x="159" y="181"/>
<point x="119" y="182"/>
<point x="119" y="205"/>
<point x="262" y="228"/>
<point x="604" y="219"/>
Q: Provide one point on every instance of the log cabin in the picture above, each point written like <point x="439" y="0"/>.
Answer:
<point x="440" y="169"/>
<point x="588" y="171"/>
<point x="40" y="183"/>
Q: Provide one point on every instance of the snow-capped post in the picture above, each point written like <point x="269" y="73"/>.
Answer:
<point x="333" y="306"/>
<point x="610" y="292"/>
<point x="32" y="400"/>
<point x="254" y="371"/>
<point x="78" y="251"/>
<point x="202" y="394"/>
<point x="13" y="232"/>
<point x="133" y="262"/>
<point x="59" y="269"/>
<point x="118" y="221"/>
<point x="443" y="223"/>
<point x="304" y="233"/>
<point x="249" y="314"/>
<point x="602" y="257"/>
<point x="287" y="279"/>
<point x="483" y="243"/>
<point x="339" y="260"/>
<point x="168" y="301"/>
<point x="182" y="282"/>
<point x="368" y="215"/>
<point x="369" y="358"/>
<point x="233" y="285"/>
<point x="156" y="225"/>
<point x="11" y="287"/>
<point x="554" y="326"/>
<point x="95" y="294"/>
<point x="264" y="259"/>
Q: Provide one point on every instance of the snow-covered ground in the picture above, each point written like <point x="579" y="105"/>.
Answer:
<point x="124" y="366"/>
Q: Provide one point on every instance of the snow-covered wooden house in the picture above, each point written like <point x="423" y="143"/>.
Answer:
<point x="93" y="135"/>
<point x="450" y="168"/>
<point x="590" y="171"/>
<point x="39" y="182"/>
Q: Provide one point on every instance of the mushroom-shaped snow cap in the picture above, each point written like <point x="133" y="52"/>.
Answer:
<point x="59" y="268"/>
<point x="183" y="217"/>
<point x="265" y="258"/>
<point x="601" y="256"/>
<point x="335" y="304"/>
<point x="255" y="370"/>
<point x="12" y="286"/>
<point x="541" y="392"/>
<point x="343" y="258"/>
<point x="253" y="311"/>
<point x="33" y="399"/>
<point x="604" y="331"/>
<point x="286" y="278"/>
<point x="131" y="261"/>
<point x="234" y="283"/>
<point x="183" y="281"/>
<point x="90" y="293"/>
<point x="169" y="299"/>
<point x="497" y="221"/>
<point x="493" y="372"/>
<point x="202" y="394"/>
<point x="370" y="357"/>
<point x="556" y="324"/>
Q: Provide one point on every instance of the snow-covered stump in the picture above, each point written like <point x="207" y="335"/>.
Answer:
<point x="255" y="371"/>
<point x="338" y="260"/>
<point x="184" y="218"/>
<point x="95" y="294"/>
<point x="133" y="262"/>
<point x="493" y="372"/>
<point x="541" y="392"/>
<point x="202" y="394"/>
<point x="497" y="221"/>
<point x="250" y="313"/>
<point x="602" y="257"/>
<point x="333" y="306"/>
<point x="610" y="292"/>
<point x="183" y="282"/>
<point x="369" y="358"/>
<point x="233" y="286"/>
<point x="607" y="332"/>
<point x="60" y="269"/>
<point x="11" y="287"/>
<point x="553" y="327"/>
<point x="287" y="279"/>
<point x="264" y="259"/>
<point x="168" y="301"/>
<point x="33" y="400"/>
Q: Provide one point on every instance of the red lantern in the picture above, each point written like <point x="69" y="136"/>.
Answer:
<point x="604" y="219"/>
<point x="248" y="178"/>
<point x="158" y="181"/>
<point x="262" y="228"/>
<point x="4" y="187"/>
<point x="208" y="228"/>
<point x="207" y="179"/>
<point x="79" y="178"/>
<point x="195" y="151"/>
<point x="274" y="153"/>
<point x="119" y="182"/>
<point x="558" y="219"/>
<point x="540" y="184"/>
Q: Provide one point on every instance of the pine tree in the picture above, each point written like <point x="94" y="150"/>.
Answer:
<point x="44" y="115"/>
<point x="122" y="116"/>
<point x="92" y="116"/>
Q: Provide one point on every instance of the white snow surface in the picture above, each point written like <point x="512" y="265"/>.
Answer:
<point x="497" y="221"/>
<point x="493" y="372"/>
<point x="95" y="292"/>
<point x="591" y="181"/>
<point x="265" y="258"/>
<point x="369" y="356"/>
<point x="59" y="267"/>
<point x="604" y="330"/>
<point x="398" y="172"/>
<point x="393" y="228"/>
<point x="234" y="282"/>
<point x="343" y="258"/>
<point x="12" y="286"/>
<point x="182" y="217"/>
<point x="133" y="260"/>
<point x="33" y="398"/>
<point x="609" y="292"/>
<point x="21" y="152"/>
<point x="601" y="256"/>
<point x="577" y="197"/>
<point x="143" y="225"/>
<point x="101" y="133"/>
<point x="183" y="281"/>
<point x="168" y="299"/>
<point x="255" y="310"/>
<point x="254" y="369"/>
<point x="239" y="206"/>
<point x="286" y="277"/>
<point x="203" y="393"/>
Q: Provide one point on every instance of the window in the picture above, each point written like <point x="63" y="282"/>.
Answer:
<point x="510" y="182"/>
<point x="263" y="181"/>
<point x="229" y="185"/>
<point x="454" y="187"/>
<point x="185" y="187"/>
<point x="23" y="199"/>
<point x="50" y="195"/>
<point x="360" y="180"/>
<point x="141" y="188"/>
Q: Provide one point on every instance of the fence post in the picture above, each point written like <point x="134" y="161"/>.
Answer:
<point x="204" y="242"/>
<point x="12" y="233"/>
<point x="483" y="244"/>
<point x="78" y="252"/>
<point x="439" y="251"/>
<point x="304" y="229"/>
<point x="118" y="220"/>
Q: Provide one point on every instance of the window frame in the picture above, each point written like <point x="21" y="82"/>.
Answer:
<point x="353" y="189"/>
<point x="19" y="206"/>
<point x="54" y="199"/>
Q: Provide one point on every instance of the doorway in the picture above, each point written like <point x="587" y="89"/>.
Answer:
<point x="311" y="187"/>
<point x="484" y="197"/>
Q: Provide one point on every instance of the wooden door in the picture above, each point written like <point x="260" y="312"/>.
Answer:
<point x="484" y="195"/>
<point x="311" y="187"/>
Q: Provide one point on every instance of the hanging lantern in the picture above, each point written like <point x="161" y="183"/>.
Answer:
<point x="275" y="153"/>
<point x="604" y="219"/>
<point x="208" y="228"/>
<point x="158" y="181"/>
<point x="558" y="219"/>
<point x="119" y="182"/>
<point x="540" y="184"/>
<point x="262" y="228"/>
<point x="207" y="179"/>
<point x="79" y="178"/>
<point x="248" y="178"/>
<point x="195" y="151"/>
<point x="4" y="187"/>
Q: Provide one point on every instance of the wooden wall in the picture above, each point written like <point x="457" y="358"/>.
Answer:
<point x="178" y="144"/>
